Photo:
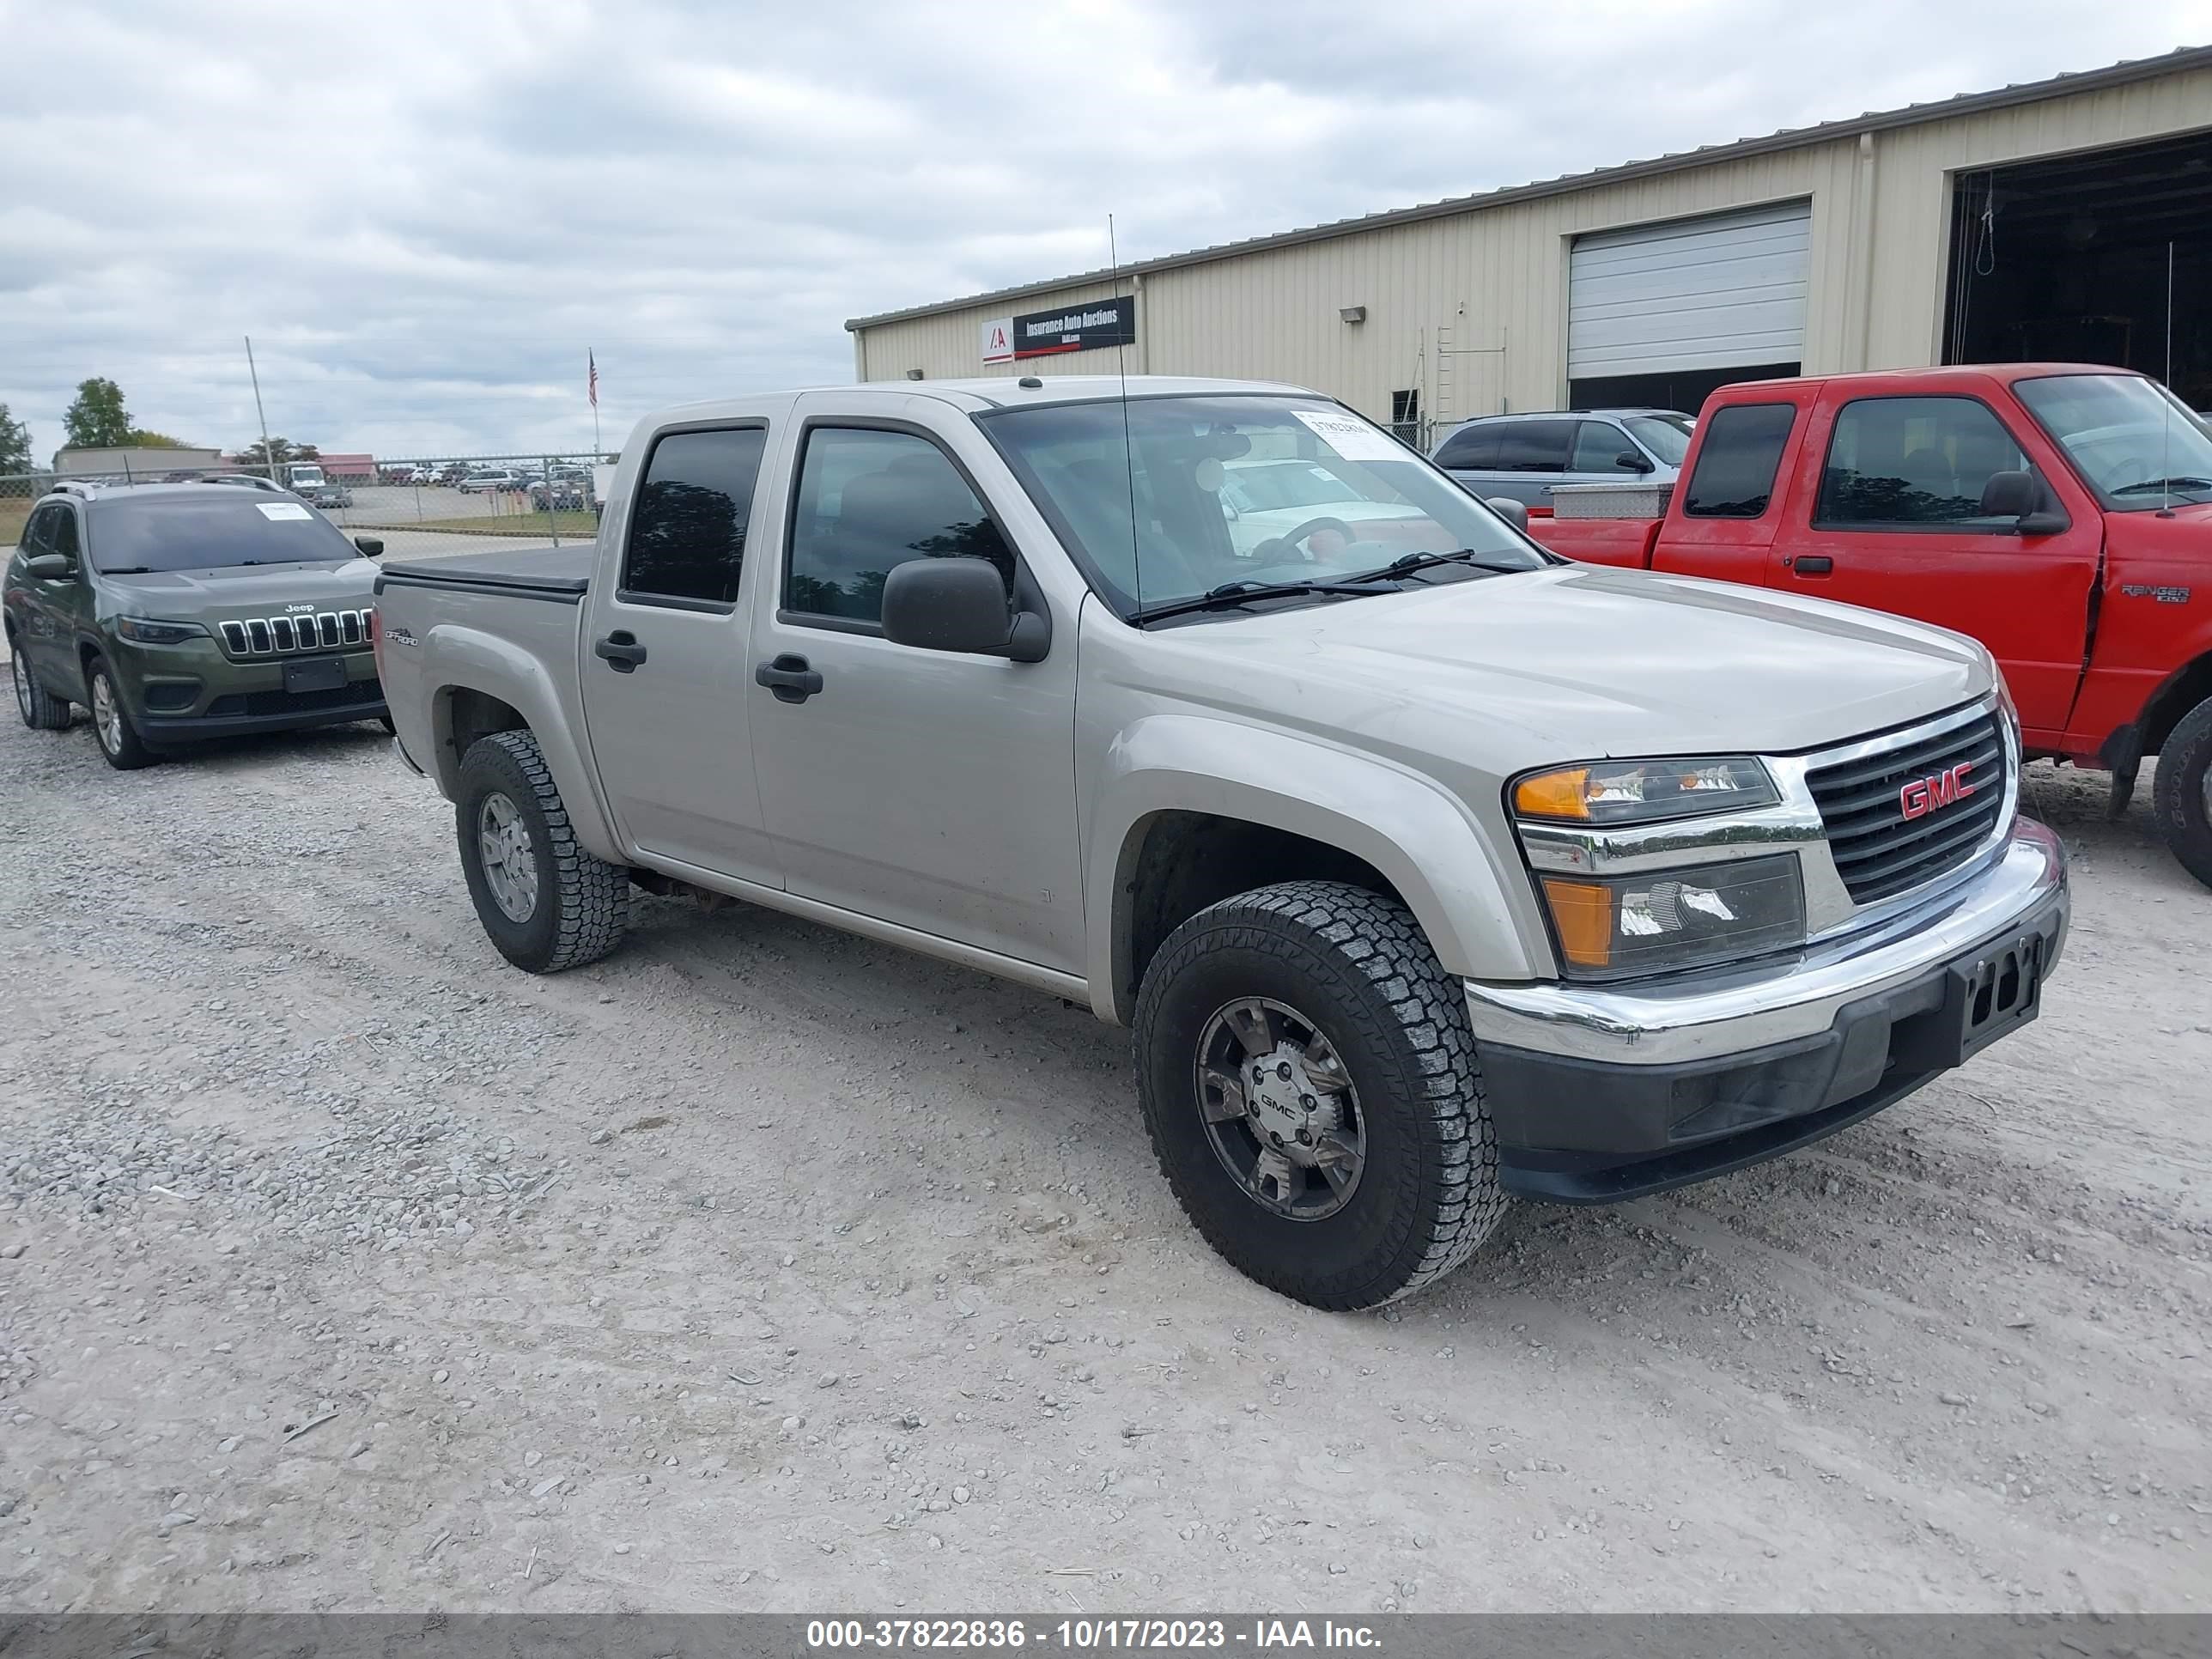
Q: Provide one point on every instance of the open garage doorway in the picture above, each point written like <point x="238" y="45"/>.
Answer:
<point x="2067" y="259"/>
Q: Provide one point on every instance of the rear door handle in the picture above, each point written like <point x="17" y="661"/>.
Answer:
<point x="789" y="678"/>
<point x="620" y="650"/>
<point x="1811" y="564"/>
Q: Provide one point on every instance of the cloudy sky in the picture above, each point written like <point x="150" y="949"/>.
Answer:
<point x="425" y="214"/>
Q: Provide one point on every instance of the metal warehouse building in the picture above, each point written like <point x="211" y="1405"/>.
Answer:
<point x="2066" y="219"/>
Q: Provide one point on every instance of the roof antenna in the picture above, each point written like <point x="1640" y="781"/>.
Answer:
<point x="1128" y="449"/>
<point x="2165" y="435"/>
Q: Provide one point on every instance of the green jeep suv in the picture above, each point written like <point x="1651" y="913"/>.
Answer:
<point x="181" y="611"/>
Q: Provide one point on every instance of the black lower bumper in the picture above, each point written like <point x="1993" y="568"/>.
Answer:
<point x="1575" y="1131"/>
<point x="162" y="732"/>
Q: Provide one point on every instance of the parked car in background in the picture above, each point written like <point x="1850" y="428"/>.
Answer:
<point x="1521" y="456"/>
<point x="479" y="483"/>
<point x="313" y="484"/>
<point x="177" y="612"/>
<point x="2059" y="513"/>
<point x="1273" y="505"/>
<point x="1429" y="868"/>
<point x="559" y="494"/>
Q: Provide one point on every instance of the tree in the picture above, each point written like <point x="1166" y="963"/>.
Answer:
<point x="280" y="451"/>
<point x="14" y="443"/>
<point x="139" y="438"/>
<point x="97" y="420"/>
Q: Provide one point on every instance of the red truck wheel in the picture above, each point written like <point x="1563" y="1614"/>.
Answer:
<point x="2181" y="796"/>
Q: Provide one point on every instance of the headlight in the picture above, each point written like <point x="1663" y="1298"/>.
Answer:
<point x="1645" y="791"/>
<point x="1664" y="921"/>
<point x="157" y="632"/>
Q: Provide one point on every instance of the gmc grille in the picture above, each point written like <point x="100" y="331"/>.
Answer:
<point x="272" y="637"/>
<point x="1878" y="851"/>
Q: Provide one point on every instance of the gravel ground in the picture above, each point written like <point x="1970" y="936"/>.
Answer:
<point x="342" y="1267"/>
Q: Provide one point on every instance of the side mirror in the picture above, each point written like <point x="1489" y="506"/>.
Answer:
<point x="1630" y="461"/>
<point x="1514" y="513"/>
<point x="2009" y="496"/>
<point x="372" y="546"/>
<point x="960" y="604"/>
<point x="50" y="567"/>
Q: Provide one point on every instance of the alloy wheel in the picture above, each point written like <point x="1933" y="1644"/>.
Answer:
<point x="510" y="862"/>
<point x="1280" y="1108"/>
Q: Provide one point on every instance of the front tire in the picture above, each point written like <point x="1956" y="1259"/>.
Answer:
<point x="2181" y="794"/>
<point x="42" y="711"/>
<point x="544" y="901"/>
<point x="1309" y="1080"/>
<point x="120" y="745"/>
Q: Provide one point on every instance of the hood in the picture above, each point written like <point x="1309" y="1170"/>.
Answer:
<point x="2170" y="552"/>
<point x="238" y="592"/>
<point x="1581" y="663"/>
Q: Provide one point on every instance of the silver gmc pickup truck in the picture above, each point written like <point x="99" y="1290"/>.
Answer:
<point x="1429" y="869"/>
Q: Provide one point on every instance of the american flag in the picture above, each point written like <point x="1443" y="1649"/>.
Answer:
<point x="593" y="363"/>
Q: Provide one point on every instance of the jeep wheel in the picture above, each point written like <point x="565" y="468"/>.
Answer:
<point x="119" y="742"/>
<point x="42" y="711"/>
<point x="1310" y="1084"/>
<point x="2181" y="794"/>
<point x="545" y="902"/>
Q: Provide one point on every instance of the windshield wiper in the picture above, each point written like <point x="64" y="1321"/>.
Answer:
<point x="1230" y="594"/>
<point x="2149" y="484"/>
<point x="1503" y="564"/>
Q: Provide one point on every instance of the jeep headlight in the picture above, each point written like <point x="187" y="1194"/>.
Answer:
<point x="146" y="632"/>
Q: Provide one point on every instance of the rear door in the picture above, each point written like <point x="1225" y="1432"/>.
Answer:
<point x="664" y="667"/>
<point x="1728" y="508"/>
<point x="1532" y="456"/>
<point x="1886" y="513"/>
<point x="931" y="789"/>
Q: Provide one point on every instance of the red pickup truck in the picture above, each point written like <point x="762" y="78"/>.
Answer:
<point x="2059" y="513"/>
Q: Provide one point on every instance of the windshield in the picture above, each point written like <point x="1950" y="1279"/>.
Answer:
<point x="1667" y="436"/>
<point x="205" y="532"/>
<point x="1231" y="488"/>
<point x="307" y="475"/>
<point x="2133" y="441"/>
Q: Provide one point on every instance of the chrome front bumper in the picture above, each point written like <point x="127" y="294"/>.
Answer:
<point x="1707" y="1017"/>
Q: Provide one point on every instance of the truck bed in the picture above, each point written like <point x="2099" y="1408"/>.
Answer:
<point x="559" y="573"/>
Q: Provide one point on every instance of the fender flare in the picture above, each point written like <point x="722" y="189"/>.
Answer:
<point x="471" y="660"/>
<point x="1424" y="841"/>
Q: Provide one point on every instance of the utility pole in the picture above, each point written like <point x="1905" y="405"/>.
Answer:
<point x="268" y="459"/>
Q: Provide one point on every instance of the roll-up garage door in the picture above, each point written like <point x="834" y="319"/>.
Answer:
<point x="1718" y="293"/>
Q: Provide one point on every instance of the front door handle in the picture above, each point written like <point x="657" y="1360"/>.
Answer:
<point x="789" y="678"/>
<point x="1811" y="564"/>
<point x="620" y="650"/>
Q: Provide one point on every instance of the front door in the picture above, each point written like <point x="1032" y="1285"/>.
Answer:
<point x="54" y="603"/>
<point x="665" y="669"/>
<point x="1888" y="513"/>
<point x="928" y="788"/>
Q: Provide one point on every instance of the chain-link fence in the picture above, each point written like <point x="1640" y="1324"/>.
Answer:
<point x="418" y="507"/>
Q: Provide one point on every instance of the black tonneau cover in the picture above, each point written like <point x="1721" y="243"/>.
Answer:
<point x="558" y="574"/>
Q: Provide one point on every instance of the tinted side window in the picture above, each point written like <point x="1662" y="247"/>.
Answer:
<point x="1599" y="446"/>
<point x="1470" y="448"/>
<point x="1743" y="446"/>
<point x="1912" y="461"/>
<point x="687" y="536"/>
<point x="868" y="501"/>
<point x="36" y="531"/>
<point x="1534" y="446"/>
<point x="61" y="533"/>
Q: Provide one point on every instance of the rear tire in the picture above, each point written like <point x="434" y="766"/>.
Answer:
<point x="1357" y="1018"/>
<point x="2181" y="794"/>
<point x="42" y="711"/>
<point x="120" y="745"/>
<point x="544" y="901"/>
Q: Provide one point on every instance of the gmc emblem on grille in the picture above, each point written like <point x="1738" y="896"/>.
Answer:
<point x="1923" y="795"/>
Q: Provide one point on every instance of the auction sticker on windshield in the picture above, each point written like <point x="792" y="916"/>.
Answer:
<point x="282" y="510"/>
<point x="1350" y="436"/>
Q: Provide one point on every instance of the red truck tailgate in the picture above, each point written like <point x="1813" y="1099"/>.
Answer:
<point x="1599" y="541"/>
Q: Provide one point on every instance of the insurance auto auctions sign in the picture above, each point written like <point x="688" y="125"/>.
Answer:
<point x="1085" y="327"/>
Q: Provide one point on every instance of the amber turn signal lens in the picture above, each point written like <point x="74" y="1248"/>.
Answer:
<point x="1563" y="794"/>
<point x="1583" y="913"/>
